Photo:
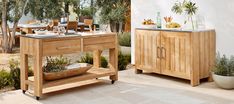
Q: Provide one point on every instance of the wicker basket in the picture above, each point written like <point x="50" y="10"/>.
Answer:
<point x="66" y="73"/>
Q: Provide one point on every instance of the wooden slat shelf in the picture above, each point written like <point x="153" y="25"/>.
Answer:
<point x="41" y="47"/>
<point x="91" y="74"/>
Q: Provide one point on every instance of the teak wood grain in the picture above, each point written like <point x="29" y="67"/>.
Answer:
<point x="41" y="47"/>
<point x="187" y="55"/>
<point x="147" y="50"/>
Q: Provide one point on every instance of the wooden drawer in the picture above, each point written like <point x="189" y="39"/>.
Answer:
<point x="61" y="47"/>
<point x="99" y="43"/>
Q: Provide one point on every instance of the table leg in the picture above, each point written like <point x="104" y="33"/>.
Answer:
<point x="24" y="71"/>
<point x="97" y="58"/>
<point x="82" y="28"/>
<point x="113" y="61"/>
<point x="38" y="73"/>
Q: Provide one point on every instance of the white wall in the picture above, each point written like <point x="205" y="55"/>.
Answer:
<point x="219" y="14"/>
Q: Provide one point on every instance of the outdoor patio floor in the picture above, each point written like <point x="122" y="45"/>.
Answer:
<point x="131" y="89"/>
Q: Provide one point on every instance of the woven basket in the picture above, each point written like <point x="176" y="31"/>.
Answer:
<point x="66" y="73"/>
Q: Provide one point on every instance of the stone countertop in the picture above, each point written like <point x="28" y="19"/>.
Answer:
<point x="69" y="35"/>
<point x="174" y="30"/>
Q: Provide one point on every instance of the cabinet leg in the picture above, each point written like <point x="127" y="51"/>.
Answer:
<point x="210" y="78"/>
<point x="113" y="81"/>
<point x="195" y="82"/>
<point x="37" y="98"/>
<point x="114" y="77"/>
<point x="23" y="91"/>
<point x="138" y="71"/>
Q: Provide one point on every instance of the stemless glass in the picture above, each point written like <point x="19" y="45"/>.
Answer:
<point x="63" y="30"/>
<point x="55" y="29"/>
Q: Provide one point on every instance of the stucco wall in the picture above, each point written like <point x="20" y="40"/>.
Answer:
<point x="218" y="14"/>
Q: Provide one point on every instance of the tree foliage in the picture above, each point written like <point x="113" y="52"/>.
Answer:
<point x="45" y="9"/>
<point x="112" y="10"/>
<point x="51" y="9"/>
<point x="74" y="3"/>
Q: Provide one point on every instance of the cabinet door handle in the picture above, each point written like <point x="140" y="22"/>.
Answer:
<point x="163" y="52"/>
<point x="158" y="52"/>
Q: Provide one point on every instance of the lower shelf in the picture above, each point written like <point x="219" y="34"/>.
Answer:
<point x="91" y="74"/>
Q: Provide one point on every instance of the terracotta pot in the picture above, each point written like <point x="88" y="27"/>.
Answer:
<point x="225" y="82"/>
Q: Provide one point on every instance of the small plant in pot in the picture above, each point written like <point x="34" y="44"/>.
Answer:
<point x="223" y="72"/>
<point x="60" y="67"/>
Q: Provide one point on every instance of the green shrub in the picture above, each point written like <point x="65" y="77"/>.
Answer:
<point x="125" y="39"/>
<point x="86" y="59"/>
<point x="15" y="78"/>
<point x="15" y="73"/>
<point x="224" y="66"/>
<point x="128" y="58"/>
<point x="89" y="59"/>
<point x="104" y="62"/>
<point x="122" y="61"/>
<point x="5" y="78"/>
<point x="86" y="12"/>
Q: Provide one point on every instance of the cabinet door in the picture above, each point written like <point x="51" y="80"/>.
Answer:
<point x="176" y="54"/>
<point x="147" y="49"/>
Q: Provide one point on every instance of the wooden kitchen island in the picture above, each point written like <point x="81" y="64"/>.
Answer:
<point x="41" y="47"/>
<point x="184" y="54"/>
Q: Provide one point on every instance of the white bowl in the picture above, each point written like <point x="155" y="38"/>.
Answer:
<point x="225" y="82"/>
<point x="40" y="32"/>
<point x="149" y="26"/>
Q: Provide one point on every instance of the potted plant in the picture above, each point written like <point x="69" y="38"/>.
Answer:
<point x="188" y="8"/>
<point x="60" y="67"/>
<point x="223" y="72"/>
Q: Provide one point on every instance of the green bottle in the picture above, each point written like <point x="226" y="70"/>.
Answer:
<point x="159" y="24"/>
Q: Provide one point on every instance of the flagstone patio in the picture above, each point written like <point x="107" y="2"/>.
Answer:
<point x="130" y="89"/>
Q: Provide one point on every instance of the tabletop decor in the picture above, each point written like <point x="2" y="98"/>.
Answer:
<point x="148" y="23"/>
<point x="188" y="8"/>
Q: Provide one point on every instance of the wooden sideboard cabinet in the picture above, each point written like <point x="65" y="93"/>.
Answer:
<point x="183" y="54"/>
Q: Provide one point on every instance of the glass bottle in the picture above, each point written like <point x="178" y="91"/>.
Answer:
<point x="159" y="24"/>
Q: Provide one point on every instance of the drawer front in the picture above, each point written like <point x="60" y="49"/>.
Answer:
<point x="99" y="43"/>
<point x="61" y="47"/>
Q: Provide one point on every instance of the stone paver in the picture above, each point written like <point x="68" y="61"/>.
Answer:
<point x="131" y="89"/>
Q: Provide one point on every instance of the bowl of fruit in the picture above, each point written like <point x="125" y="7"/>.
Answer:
<point x="170" y="24"/>
<point x="148" y="23"/>
<point x="173" y="25"/>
